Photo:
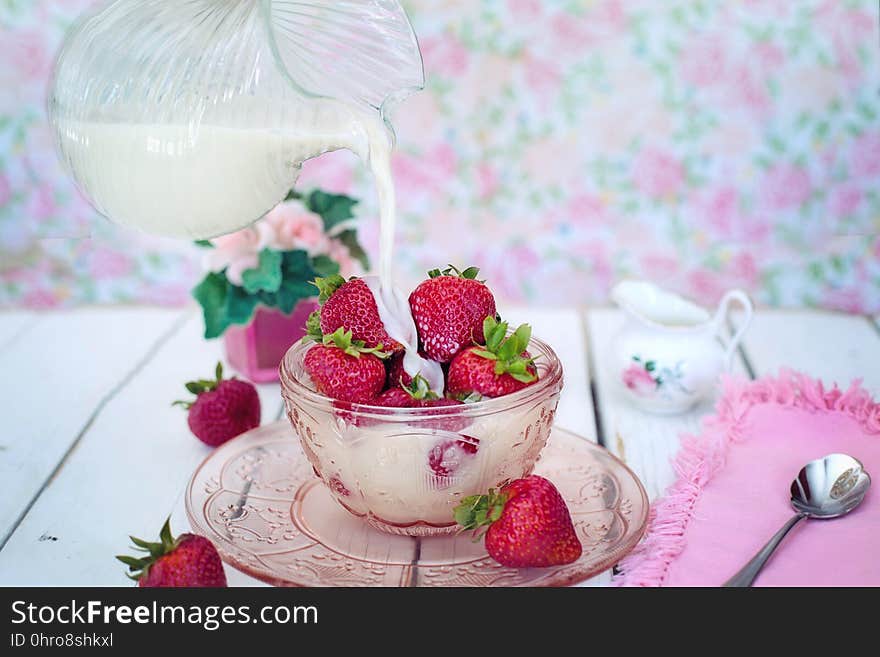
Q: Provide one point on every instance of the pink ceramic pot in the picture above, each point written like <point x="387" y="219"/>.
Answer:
<point x="256" y="349"/>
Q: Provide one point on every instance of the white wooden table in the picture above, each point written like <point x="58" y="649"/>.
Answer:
<point x="92" y="451"/>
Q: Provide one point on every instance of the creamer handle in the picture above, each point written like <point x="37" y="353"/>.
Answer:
<point x="721" y="315"/>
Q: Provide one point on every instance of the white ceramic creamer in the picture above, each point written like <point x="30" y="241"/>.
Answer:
<point x="670" y="352"/>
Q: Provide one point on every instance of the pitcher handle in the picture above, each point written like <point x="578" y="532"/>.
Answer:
<point x="721" y="314"/>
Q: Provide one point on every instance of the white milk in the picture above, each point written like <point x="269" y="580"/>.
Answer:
<point x="201" y="181"/>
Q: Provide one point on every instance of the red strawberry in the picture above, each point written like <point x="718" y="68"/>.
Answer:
<point x="446" y="457"/>
<point x="529" y="524"/>
<point x="187" y="560"/>
<point x="223" y="409"/>
<point x="397" y="376"/>
<point x="396" y="398"/>
<point x="352" y="307"/>
<point x="449" y="309"/>
<point x="501" y="367"/>
<point x="345" y="369"/>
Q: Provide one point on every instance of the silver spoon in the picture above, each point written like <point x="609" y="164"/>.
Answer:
<point x="825" y="488"/>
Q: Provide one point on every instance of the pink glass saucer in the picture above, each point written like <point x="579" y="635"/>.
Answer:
<point x="258" y="500"/>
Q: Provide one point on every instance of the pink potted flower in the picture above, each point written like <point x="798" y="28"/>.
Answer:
<point x="258" y="293"/>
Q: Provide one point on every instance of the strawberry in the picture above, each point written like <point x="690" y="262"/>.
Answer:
<point x="449" y="309"/>
<point x="501" y="367"/>
<point x="447" y="456"/>
<point x="187" y="560"/>
<point x="351" y="306"/>
<point x="529" y="524"/>
<point x="397" y="376"/>
<point x="223" y="409"/>
<point x="416" y="393"/>
<point x="346" y="369"/>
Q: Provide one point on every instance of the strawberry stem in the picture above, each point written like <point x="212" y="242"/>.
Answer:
<point x="202" y="385"/>
<point x="451" y="270"/>
<point x="140" y="567"/>
<point x="342" y="339"/>
<point x="327" y="286"/>
<point x="507" y="350"/>
<point x="476" y="511"/>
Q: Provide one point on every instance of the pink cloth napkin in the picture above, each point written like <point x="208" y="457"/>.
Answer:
<point x="732" y="495"/>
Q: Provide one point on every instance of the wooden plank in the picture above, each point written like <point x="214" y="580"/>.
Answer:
<point x="563" y="330"/>
<point x="645" y="441"/>
<point x="13" y="324"/>
<point x="58" y="376"/>
<point x="123" y="478"/>
<point x="831" y="346"/>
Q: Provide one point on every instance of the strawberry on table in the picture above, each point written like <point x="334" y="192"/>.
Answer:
<point x="529" y="525"/>
<point x="351" y="306"/>
<point x="223" y="408"/>
<point x="346" y="369"/>
<point x="499" y="368"/>
<point x="187" y="560"/>
<point x="449" y="309"/>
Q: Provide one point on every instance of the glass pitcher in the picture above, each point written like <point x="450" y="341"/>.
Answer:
<point x="191" y="118"/>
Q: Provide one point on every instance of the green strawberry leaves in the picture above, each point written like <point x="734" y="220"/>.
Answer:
<point x="451" y="270"/>
<point x="419" y="388"/>
<point x="327" y="286"/>
<point x="342" y="339"/>
<point x="507" y="351"/>
<point x="139" y="567"/>
<point x="313" y="328"/>
<point x="476" y="511"/>
<point x="202" y="385"/>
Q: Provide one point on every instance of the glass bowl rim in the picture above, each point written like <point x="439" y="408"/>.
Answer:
<point x="552" y="379"/>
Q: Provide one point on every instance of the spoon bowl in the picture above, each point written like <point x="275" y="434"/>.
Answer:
<point x="826" y="488"/>
<point x="829" y="487"/>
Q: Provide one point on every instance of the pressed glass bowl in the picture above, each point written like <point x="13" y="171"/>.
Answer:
<point x="405" y="469"/>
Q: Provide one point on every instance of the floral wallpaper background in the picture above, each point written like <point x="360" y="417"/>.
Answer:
<point x="703" y="144"/>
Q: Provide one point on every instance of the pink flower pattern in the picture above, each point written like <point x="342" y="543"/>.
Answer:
<point x="561" y="146"/>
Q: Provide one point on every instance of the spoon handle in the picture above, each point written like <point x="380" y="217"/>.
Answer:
<point x="750" y="571"/>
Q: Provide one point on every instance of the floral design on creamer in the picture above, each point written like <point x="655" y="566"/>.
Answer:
<point x="645" y="378"/>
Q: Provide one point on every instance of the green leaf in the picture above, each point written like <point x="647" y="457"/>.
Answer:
<point x="205" y="244"/>
<point x="485" y="354"/>
<point x="291" y="293"/>
<point x="350" y="241"/>
<point x="434" y="273"/>
<point x="194" y="388"/>
<point x="131" y="562"/>
<point x="239" y="306"/>
<point x="218" y="371"/>
<point x="313" y="328"/>
<point x="324" y="266"/>
<point x="470" y="272"/>
<point x="293" y="195"/>
<point x="165" y="533"/>
<point x="328" y="286"/>
<point x="267" y="276"/>
<point x="650" y="365"/>
<point x="333" y="208"/>
<point x="211" y="294"/>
